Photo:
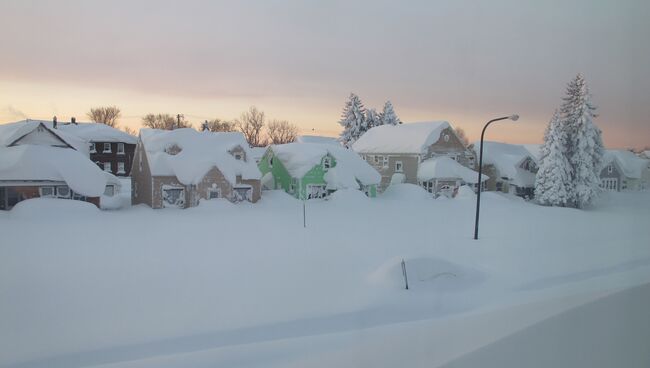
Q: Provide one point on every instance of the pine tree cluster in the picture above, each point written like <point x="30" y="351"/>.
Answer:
<point x="572" y="153"/>
<point x="356" y="120"/>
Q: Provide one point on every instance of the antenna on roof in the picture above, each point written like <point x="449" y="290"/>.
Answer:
<point x="54" y="122"/>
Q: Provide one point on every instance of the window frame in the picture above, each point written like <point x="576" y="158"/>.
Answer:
<point x="93" y="147"/>
<point x="120" y="151"/>
<point x="121" y="170"/>
<point x="109" y="148"/>
<point x="401" y="166"/>
<point x="110" y="169"/>
<point x="61" y="187"/>
<point x="51" y="195"/>
<point x="327" y="163"/>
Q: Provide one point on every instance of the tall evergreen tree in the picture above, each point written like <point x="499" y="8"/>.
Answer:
<point x="553" y="181"/>
<point x="353" y="120"/>
<point x="372" y="119"/>
<point x="388" y="116"/>
<point x="584" y="144"/>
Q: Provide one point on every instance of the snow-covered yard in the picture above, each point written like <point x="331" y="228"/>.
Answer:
<point x="233" y="285"/>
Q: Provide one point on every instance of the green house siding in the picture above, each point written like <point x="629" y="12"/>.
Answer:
<point x="283" y="180"/>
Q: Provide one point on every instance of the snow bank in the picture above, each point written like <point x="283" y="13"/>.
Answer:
<point x="413" y="138"/>
<point x="446" y="168"/>
<point x="199" y="153"/>
<point x="30" y="162"/>
<point x="406" y="192"/>
<point x="427" y="274"/>
<point x="465" y="192"/>
<point x="52" y="209"/>
<point x="350" y="196"/>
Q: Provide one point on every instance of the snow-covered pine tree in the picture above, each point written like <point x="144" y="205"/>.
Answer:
<point x="372" y="119"/>
<point x="388" y="115"/>
<point x="553" y="181"/>
<point x="585" y="146"/>
<point x="353" y="120"/>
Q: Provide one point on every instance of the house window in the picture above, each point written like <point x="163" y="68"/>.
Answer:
<point x="107" y="148"/>
<point x="214" y="193"/>
<point x="63" y="192"/>
<point x="385" y="161"/>
<point x="107" y="166"/>
<point x="120" y="168"/>
<point x="398" y="166"/>
<point x="610" y="169"/>
<point x="120" y="148"/>
<point x="93" y="149"/>
<point x="47" y="191"/>
<point x="377" y="159"/>
<point x="327" y="163"/>
<point x="446" y="137"/>
<point x="109" y="190"/>
<point x="270" y="161"/>
<point x="293" y="185"/>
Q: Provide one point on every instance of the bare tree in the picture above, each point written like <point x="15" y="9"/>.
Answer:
<point x="281" y="131"/>
<point x="129" y="130"/>
<point x="105" y="115"/>
<point x="460" y="133"/>
<point x="165" y="122"/>
<point x="218" y="125"/>
<point x="250" y="124"/>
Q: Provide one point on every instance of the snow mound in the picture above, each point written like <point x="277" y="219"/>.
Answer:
<point x="425" y="273"/>
<point x="349" y="196"/>
<point x="465" y="192"/>
<point x="52" y="208"/>
<point x="402" y="192"/>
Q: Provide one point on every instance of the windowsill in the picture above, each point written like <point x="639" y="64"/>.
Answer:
<point x="93" y="152"/>
<point x="120" y="153"/>
<point x="107" y="152"/>
<point x="121" y="172"/>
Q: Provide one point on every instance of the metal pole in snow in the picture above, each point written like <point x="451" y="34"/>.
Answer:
<point x="406" y="279"/>
<point x="304" y="214"/>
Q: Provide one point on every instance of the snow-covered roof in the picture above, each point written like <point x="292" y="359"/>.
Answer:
<point x="409" y="138"/>
<point x="258" y="152"/>
<point x="11" y="132"/>
<point x="95" y="132"/>
<point x="535" y="151"/>
<point x="299" y="158"/>
<point x="34" y="162"/>
<point x="631" y="164"/>
<point x="317" y="139"/>
<point x="446" y="168"/>
<point x="506" y="158"/>
<point x="199" y="153"/>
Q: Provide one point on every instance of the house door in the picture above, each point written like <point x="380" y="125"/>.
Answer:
<point x="173" y="197"/>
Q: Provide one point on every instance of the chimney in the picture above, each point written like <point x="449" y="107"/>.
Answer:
<point x="54" y="122"/>
<point x="73" y="120"/>
<point x="205" y="126"/>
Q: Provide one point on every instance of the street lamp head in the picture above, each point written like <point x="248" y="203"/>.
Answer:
<point x="514" y="117"/>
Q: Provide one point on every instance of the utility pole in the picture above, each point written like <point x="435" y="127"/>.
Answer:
<point x="178" y="120"/>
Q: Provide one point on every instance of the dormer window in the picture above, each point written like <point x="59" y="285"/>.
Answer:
<point x="610" y="169"/>
<point x="107" y="148"/>
<point x="445" y="137"/>
<point x="173" y="150"/>
<point x="327" y="163"/>
<point x="120" y="148"/>
<point x="93" y="149"/>
<point x="238" y="156"/>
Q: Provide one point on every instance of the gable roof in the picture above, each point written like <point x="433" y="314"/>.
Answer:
<point x="631" y="165"/>
<point x="446" y="168"/>
<point x="96" y="132"/>
<point x="11" y="133"/>
<point x="409" y="138"/>
<point x="200" y="152"/>
<point x="506" y="158"/>
<point x="35" y="162"/>
<point x="299" y="158"/>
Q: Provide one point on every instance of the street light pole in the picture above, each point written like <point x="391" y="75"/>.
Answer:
<point x="480" y="169"/>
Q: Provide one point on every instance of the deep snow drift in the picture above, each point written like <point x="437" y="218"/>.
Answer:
<point x="245" y="284"/>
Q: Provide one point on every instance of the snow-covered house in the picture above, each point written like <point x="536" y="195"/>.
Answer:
<point x="443" y="176"/>
<point x="623" y="170"/>
<point x="398" y="151"/>
<point x="38" y="161"/>
<point x="317" y="139"/>
<point x="313" y="170"/>
<point x="178" y="168"/>
<point x="109" y="148"/>
<point x="511" y="168"/>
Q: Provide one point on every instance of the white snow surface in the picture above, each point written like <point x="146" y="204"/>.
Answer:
<point x="506" y="158"/>
<point x="631" y="164"/>
<point x="446" y="168"/>
<point x="32" y="162"/>
<point x="407" y="138"/>
<point x="317" y="139"/>
<point x="96" y="132"/>
<point x="200" y="152"/>
<point x="299" y="158"/>
<point x="163" y="291"/>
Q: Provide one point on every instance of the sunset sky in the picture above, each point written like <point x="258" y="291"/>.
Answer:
<point x="461" y="61"/>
